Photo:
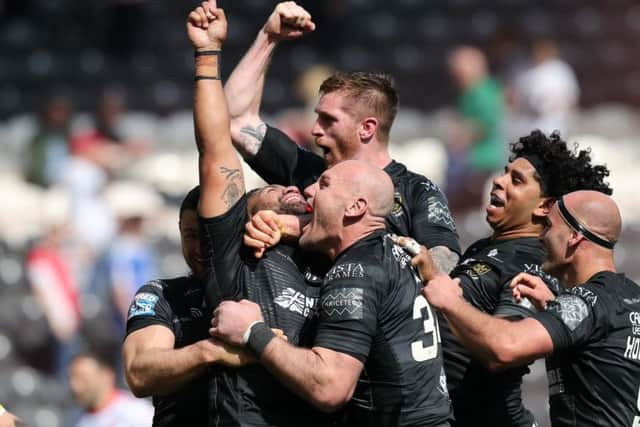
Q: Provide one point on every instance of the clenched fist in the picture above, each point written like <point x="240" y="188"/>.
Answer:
<point x="207" y="26"/>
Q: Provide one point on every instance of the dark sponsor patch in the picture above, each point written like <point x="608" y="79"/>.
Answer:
<point x="342" y="304"/>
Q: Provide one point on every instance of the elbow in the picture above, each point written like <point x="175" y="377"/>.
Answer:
<point x="503" y="355"/>
<point x="329" y="402"/>
<point x="137" y="385"/>
<point x="332" y="396"/>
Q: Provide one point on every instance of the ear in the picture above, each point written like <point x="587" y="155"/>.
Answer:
<point x="367" y="129"/>
<point x="357" y="208"/>
<point x="544" y="207"/>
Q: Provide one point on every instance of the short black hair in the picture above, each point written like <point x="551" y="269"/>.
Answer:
<point x="190" y="201"/>
<point x="560" y="169"/>
<point x="100" y="358"/>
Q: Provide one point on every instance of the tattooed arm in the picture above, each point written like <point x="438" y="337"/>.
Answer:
<point x="221" y="180"/>
<point x="444" y="258"/>
<point x="245" y="85"/>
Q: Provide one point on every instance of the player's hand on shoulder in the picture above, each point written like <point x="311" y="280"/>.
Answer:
<point x="525" y="285"/>
<point x="421" y="257"/>
<point x="288" y="21"/>
<point x="207" y="26"/>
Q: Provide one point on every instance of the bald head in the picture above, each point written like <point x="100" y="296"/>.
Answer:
<point x="597" y="212"/>
<point x="369" y="182"/>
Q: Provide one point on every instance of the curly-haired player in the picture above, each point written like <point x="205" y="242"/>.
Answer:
<point x="541" y="169"/>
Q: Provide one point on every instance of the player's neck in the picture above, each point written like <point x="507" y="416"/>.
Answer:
<point x="589" y="263"/>
<point x="518" y="232"/>
<point x="376" y="154"/>
<point x="353" y="233"/>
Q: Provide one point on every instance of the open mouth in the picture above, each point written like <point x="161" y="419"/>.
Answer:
<point x="308" y="208"/>
<point x="496" y="201"/>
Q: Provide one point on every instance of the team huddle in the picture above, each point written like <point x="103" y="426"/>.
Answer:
<point x="310" y="302"/>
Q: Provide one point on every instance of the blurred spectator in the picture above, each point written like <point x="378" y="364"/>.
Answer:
<point x="7" y="419"/>
<point x="129" y="261"/>
<point x="48" y="152"/>
<point x="546" y="93"/>
<point x="93" y="386"/>
<point x="475" y="146"/>
<point x="105" y="145"/>
<point x="53" y="283"/>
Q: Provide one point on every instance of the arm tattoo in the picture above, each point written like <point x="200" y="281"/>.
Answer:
<point x="232" y="192"/>
<point x="444" y="258"/>
<point x="251" y="139"/>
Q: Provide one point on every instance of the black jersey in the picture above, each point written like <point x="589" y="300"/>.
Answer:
<point x="421" y="209"/>
<point x="594" y="372"/>
<point x="178" y="305"/>
<point x="287" y="293"/>
<point x="481" y="397"/>
<point x="371" y="308"/>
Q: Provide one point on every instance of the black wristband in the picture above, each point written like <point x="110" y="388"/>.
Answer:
<point x="196" y="78"/>
<point x="197" y="53"/>
<point x="260" y="336"/>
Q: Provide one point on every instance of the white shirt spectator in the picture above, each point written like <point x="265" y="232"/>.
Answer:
<point x="122" y="410"/>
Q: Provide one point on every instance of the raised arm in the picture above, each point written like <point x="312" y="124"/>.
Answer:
<point x="245" y="85"/>
<point x="221" y="179"/>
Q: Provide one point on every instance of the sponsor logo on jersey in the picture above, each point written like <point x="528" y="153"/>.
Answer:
<point x="586" y="294"/>
<point x="297" y="302"/>
<point x="632" y="350"/>
<point x="400" y="255"/>
<point x="572" y="309"/>
<point x="634" y="318"/>
<point x="493" y="253"/>
<point x="345" y="271"/>
<point x="343" y="304"/>
<point x="480" y="269"/>
<point x="143" y="304"/>
<point x="396" y="210"/>
<point x="429" y="186"/>
<point x="438" y="213"/>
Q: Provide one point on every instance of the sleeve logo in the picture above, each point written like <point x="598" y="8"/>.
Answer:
<point x="438" y="213"/>
<point x="143" y="304"/>
<point x="572" y="310"/>
<point x="342" y="304"/>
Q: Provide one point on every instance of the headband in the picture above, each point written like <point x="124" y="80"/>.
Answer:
<point x="573" y="223"/>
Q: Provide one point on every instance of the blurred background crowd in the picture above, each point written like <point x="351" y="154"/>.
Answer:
<point x="96" y="134"/>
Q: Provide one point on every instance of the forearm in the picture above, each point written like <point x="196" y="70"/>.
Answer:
<point x="492" y="340"/>
<point x="164" y="371"/>
<point x="444" y="258"/>
<point x="243" y="91"/>
<point x="211" y="115"/>
<point x="306" y="373"/>
<point x="245" y="84"/>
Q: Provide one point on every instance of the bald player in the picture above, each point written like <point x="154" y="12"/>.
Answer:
<point x="377" y="348"/>
<point x="589" y="332"/>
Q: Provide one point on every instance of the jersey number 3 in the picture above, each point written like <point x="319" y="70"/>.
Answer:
<point x="422" y="311"/>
